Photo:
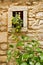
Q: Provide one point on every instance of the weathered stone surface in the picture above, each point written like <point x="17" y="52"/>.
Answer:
<point x="31" y="15"/>
<point x="40" y="30"/>
<point x="31" y="22"/>
<point x="41" y="22"/>
<point x="32" y="35"/>
<point x="41" y="9"/>
<point x="3" y="28"/>
<point x="30" y="11"/>
<point x="3" y="64"/>
<point x="31" y="31"/>
<point x="35" y="3"/>
<point x="40" y="36"/>
<point x="3" y="36"/>
<point x="37" y="24"/>
<point x="34" y="24"/>
<point x="28" y="3"/>
<point x="31" y="19"/>
<point x="39" y="14"/>
<point x="0" y="23"/>
<point x="3" y="18"/>
<point x="11" y="63"/>
<point x="3" y="46"/>
<point x="37" y="8"/>
<point x="3" y="22"/>
<point x="34" y="18"/>
<point x="41" y="42"/>
<point x="2" y="52"/>
<point x="3" y="58"/>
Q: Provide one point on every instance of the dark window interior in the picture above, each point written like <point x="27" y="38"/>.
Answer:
<point x="21" y="15"/>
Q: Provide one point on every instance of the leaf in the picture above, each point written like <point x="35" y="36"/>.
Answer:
<point x="9" y="52"/>
<point x="8" y="58"/>
<point x="30" y="55"/>
<point x="15" y="53"/>
<point x="33" y="40"/>
<point x="25" y="37"/>
<point x="24" y="63"/>
<point x="19" y="59"/>
<point x="38" y="50"/>
<point x="38" y="63"/>
<point x="9" y="55"/>
<point x="31" y="63"/>
<point x="36" y="58"/>
<point x="20" y="43"/>
<point x="12" y="46"/>
<point x="14" y="37"/>
<point x="25" y="56"/>
<point x="41" y="57"/>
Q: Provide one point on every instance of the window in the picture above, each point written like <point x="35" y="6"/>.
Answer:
<point x="22" y="11"/>
<point x="21" y="16"/>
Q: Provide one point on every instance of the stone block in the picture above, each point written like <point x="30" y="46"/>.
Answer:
<point x="3" y="58"/>
<point x="3" y="18"/>
<point x="3" y="28"/>
<point x="3" y="46"/>
<point x="0" y="23"/>
<point x="31" y="19"/>
<point x="31" y="22"/>
<point x="3" y="36"/>
<point x="41" y="22"/>
<point x="39" y="14"/>
<point x="3" y="22"/>
<point x="40" y="36"/>
<point x="40" y="30"/>
<point x="35" y="3"/>
<point x="31" y="15"/>
<point x="3" y="63"/>
<point x="2" y="52"/>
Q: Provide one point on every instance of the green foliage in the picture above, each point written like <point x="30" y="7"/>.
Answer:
<point x="9" y="55"/>
<point x="26" y="53"/>
<point x="17" y="22"/>
<point x="25" y="56"/>
<point x="11" y="46"/>
<point x="25" y="38"/>
<point x="19" y="43"/>
<point x="38" y="63"/>
<point x="41" y="57"/>
<point x="24" y="63"/>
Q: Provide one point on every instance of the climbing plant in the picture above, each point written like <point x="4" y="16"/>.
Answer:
<point x="26" y="53"/>
<point x="17" y="23"/>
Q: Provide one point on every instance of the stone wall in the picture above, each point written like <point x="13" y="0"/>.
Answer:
<point x="34" y="20"/>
